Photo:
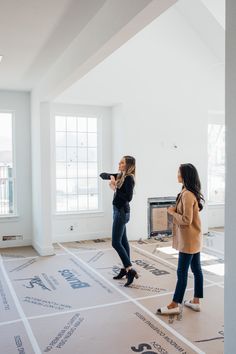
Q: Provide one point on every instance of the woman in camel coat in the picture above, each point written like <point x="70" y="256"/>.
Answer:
<point x="187" y="239"/>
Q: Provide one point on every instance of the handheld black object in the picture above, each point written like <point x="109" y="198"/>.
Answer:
<point x="107" y="176"/>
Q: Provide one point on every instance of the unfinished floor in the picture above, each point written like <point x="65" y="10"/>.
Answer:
<point x="69" y="303"/>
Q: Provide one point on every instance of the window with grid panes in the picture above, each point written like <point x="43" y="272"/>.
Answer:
<point x="216" y="163"/>
<point x="76" y="164"/>
<point x="7" y="179"/>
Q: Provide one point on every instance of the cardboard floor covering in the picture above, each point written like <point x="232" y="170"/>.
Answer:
<point x="69" y="302"/>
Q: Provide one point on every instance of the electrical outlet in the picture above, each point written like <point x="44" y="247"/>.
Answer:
<point x="73" y="227"/>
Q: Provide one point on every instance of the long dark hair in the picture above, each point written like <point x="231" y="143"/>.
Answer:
<point x="191" y="182"/>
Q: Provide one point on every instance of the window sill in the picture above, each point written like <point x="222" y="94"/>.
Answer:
<point x="216" y="205"/>
<point x="85" y="214"/>
<point x="9" y="218"/>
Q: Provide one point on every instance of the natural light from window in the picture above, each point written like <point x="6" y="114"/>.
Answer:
<point x="6" y="165"/>
<point x="216" y="163"/>
<point x="76" y="164"/>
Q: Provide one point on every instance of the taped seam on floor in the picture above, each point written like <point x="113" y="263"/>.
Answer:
<point x="10" y="322"/>
<point x="169" y="293"/>
<point x="24" y="319"/>
<point x="31" y="257"/>
<point x="162" y="323"/>
<point x="96" y="250"/>
<point x="79" y="309"/>
<point x="213" y="250"/>
<point x="173" y="265"/>
<point x="19" y="258"/>
<point x="95" y="306"/>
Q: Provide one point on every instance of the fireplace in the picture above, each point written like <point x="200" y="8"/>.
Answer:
<point x="159" y="221"/>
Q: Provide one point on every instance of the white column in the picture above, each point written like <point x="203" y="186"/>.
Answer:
<point x="230" y="216"/>
<point x="41" y="178"/>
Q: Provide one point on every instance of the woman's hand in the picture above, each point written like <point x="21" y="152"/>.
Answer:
<point x="112" y="183"/>
<point x="171" y="210"/>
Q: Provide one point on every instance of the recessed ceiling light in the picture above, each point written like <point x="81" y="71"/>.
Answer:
<point x="1" y="56"/>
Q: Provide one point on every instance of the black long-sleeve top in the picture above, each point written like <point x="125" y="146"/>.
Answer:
<point x="124" y="194"/>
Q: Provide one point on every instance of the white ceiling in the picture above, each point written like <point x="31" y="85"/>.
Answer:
<point x="217" y="8"/>
<point x="33" y="33"/>
<point x="137" y="62"/>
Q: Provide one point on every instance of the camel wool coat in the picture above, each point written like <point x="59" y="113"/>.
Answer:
<point x="187" y="234"/>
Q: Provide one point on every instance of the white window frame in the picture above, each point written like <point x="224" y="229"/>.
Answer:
<point x="15" y="210"/>
<point x="215" y="117"/>
<point x="87" y="114"/>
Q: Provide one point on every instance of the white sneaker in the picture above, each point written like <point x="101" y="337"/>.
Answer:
<point x="166" y="311"/>
<point x="194" y="307"/>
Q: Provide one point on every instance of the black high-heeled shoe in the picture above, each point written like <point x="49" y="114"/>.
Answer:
<point x="121" y="274"/>
<point x="131" y="274"/>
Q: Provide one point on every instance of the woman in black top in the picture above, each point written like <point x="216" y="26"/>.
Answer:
<point x="122" y="184"/>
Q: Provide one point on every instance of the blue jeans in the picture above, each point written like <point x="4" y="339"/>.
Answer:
<point x="119" y="237"/>
<point x="185" y="260"/>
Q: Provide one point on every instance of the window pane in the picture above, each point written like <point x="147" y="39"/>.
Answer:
<point x="61" y="203"/>
<point x="72" y="186"/>
<point x="71" y="124"/>
<point x="82" y="186"/>
<point x="76" y="163"/>
<point x="6" y="165"/>
<point x="72" y="170"/>
<point x="82" y="154"/>
<point x="82" y="124"/>
<point x="82" y="139"/>
<point x="83" y="202"/>
<point x="61" y="170"/>
<point x="61" y="186"/>
<point x="6" y="195"/>
<point x="92" y="154"/>
<point x="61" y="154"/>
<point x="93" y="202"/>
<point x="216" y="163"/>
<point x="82" y="170"/>
<point x="71" y="139"/>
<point x="72" y="154"/>
<point x="92" y="186"/>
<point x="60" y="124"/>
<point x="92" y="139"/>
<point x="92" y="125"/>
<point x="60" y="139"/>
<point x="72" y="202"/>
<point x="92" y="169"/>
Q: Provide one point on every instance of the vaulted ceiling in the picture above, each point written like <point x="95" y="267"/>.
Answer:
<point x="34" y="34"/>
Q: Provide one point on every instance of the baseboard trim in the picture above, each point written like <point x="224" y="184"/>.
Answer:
<point x="17" y="243"/>
<point x="43" y="251"/>
<point x="68" y="237"/>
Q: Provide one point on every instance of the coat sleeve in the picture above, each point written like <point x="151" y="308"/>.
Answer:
<point x="187" y="217"/>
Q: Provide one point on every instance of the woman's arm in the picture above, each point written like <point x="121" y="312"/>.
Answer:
<point x="187" y="217"/>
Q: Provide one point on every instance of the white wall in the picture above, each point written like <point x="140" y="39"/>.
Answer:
<point x="152" y="141"/>
<point x="161" y="84"/>
<point x="216" y="216"/>
<point x="167" y="104"/>
<point x="19" y="103"/>
<point x="90" y="225"/>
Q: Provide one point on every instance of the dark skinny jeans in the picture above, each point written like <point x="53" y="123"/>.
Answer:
<point x="186" y="260"/>
<point x="119" y="237"/>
